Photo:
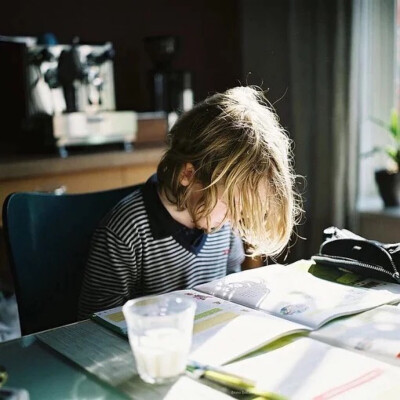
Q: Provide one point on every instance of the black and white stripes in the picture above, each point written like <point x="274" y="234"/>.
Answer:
<point x="126" y="260"/>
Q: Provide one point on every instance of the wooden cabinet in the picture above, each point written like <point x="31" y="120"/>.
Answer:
<point x="80" y="174"/>
<point x="80" y="182"/>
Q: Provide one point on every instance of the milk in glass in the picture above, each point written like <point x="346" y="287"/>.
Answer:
<point x="160" y="334"/>
<point x="161" y="353"/>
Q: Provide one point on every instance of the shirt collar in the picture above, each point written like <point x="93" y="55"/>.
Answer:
<point x="162" y="224"/>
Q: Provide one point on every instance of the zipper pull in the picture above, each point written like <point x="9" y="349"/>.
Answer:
<point x="396" y="276"/>
<point x="393" y="248"/>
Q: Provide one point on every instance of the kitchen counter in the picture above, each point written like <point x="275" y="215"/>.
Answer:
<point x="81" y="173"/>
<point x="19" y="167"/>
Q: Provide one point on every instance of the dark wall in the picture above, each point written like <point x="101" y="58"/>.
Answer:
<point x="209" y="31"/>
<point x="265" y="51"/>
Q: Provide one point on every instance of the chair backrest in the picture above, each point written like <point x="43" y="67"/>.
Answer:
<point x="48" y="239"/>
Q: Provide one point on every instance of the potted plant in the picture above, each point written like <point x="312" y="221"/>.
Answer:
<point x="388" y="179"/>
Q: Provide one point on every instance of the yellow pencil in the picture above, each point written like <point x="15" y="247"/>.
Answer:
<point x="231" y="380"/>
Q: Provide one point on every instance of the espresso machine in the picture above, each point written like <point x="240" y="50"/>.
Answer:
<point x="63" y="96"/>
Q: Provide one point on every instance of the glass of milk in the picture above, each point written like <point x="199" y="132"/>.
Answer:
<point x="160" y="334"/>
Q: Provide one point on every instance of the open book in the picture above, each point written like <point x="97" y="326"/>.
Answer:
<point x="247" y="310"/>
<point x="222" y="330"/>
<point x="298" y="296"/>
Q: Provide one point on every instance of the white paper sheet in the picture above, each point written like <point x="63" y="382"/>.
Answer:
<point x="308" y="369"/>
<point x="375" y="332"/>
<point x="186" y="388"/>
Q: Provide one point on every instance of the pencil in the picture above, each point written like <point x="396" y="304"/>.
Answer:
<point x="230" y="380"/>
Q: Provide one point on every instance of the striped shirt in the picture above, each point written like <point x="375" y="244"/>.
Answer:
<point x="139" y="249"/>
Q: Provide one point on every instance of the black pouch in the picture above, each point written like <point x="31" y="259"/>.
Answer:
<point x="372" y="259"/>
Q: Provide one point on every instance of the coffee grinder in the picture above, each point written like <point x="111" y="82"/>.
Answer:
<point x="171" y="89"/>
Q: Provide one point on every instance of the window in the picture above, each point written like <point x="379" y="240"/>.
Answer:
<point x="376" y="25"/>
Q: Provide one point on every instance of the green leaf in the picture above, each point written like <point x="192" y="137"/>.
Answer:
<point x="393" y="129"/>
<point x="394" y="124"/>
<point x="392" y="153"/>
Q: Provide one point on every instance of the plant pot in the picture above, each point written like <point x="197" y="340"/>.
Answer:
<point x="389" y="187"/>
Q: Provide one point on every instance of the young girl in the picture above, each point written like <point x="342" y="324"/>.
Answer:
<point x="225" y="177"/>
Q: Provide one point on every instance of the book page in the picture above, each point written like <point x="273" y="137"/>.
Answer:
<point x="222" y="330"/>
<point x="113" y="319"/>
<point x="375" y="332"/>
<point x="308" y="369"/>
<point x="299" y="296"/>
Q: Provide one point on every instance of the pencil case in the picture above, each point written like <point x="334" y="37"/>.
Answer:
<point x="369" y="258"/>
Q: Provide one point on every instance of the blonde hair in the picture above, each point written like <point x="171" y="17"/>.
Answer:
<point x="234" y="140"/>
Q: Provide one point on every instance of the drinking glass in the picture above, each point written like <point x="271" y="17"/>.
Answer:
<point x="160" y="334"/>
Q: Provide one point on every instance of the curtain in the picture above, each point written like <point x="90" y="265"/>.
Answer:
<point x="325" y="146"/>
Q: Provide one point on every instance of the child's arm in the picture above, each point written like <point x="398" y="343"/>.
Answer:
<point x="110" y="274"/>
<point x="252" y="262"/>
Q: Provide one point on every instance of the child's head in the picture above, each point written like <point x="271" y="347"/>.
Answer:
<point x="229" y="156"/>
